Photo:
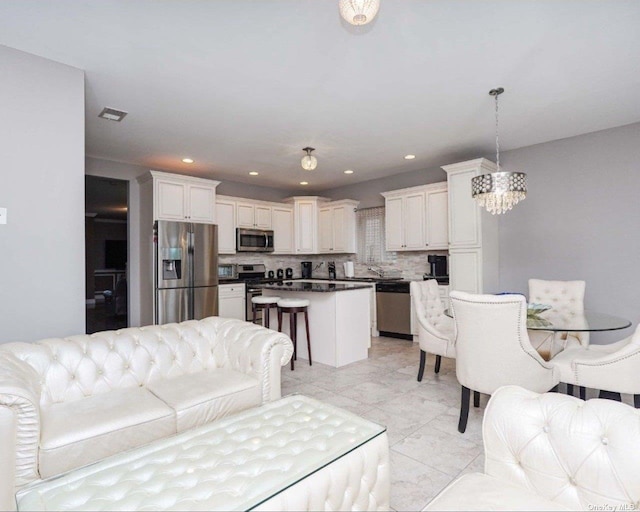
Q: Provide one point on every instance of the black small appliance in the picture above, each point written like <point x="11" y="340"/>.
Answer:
<point x="280" y="273"/>
<point x="271" y="274"/>
<point x="331" y="266"/>
<point x="438" y="265"/>
<point x="288" y="273"/>
<point x="306" y="268"/>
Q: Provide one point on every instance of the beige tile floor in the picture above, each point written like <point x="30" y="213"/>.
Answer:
<point x="427" y="452"/>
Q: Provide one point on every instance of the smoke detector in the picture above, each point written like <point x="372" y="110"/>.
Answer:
<point x="112" y="114"/>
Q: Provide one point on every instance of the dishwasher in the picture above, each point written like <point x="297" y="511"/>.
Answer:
<point x="393" y="309"/>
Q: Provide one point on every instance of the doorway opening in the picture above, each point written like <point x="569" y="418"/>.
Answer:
<point x="107" y="247"/>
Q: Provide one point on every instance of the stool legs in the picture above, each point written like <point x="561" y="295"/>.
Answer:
<point x="306" y="323"/>
<point x="293" y="329"/>
<point x="266" y="313"/>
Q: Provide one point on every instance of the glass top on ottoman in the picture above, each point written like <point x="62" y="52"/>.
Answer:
<point x="235" y="463"/>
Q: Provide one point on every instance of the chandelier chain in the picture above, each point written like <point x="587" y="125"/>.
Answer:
<point x="497" y="138"/>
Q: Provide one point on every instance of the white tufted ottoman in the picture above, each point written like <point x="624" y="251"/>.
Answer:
<point x="292" y="454"/>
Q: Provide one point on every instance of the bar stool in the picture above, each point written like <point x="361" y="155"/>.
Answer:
<point x="293" y="307"/>
<point x="266" y="304"/>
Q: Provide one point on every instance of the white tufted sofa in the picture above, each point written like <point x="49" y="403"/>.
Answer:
<point x="552" y="452"/>
<point x="65" y="403"/>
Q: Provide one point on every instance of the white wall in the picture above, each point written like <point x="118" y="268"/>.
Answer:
<point x="42" y="186"/>
<point x="580" y="220"/>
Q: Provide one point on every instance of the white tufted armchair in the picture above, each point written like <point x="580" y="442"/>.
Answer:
<point x="614" y="367"/>
<point x="552" y="452"/>
<point x="566" y="298"/>
<point x="435" y="329"/>
<point x="65" y="403"/>
<point x="493" y="348"/>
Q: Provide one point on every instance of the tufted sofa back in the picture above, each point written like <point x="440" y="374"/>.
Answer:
<point x="79" y="366"/>
<point x="582" y="455"/>
<point x="428" y="303"/>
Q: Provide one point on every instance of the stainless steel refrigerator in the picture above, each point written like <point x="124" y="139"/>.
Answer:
<point x="186" y="271"/>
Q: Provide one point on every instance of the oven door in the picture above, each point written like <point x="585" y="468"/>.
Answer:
<point x="254" y="240"/>
<point x="253" y="292"/>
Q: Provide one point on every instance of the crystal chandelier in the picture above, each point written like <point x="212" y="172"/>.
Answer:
<point x="309" y="162"/>
<point x="499" y="191"/>
<point x="358" y="12"/>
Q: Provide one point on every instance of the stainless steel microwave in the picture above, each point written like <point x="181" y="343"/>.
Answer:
<point x="254" y="240"/>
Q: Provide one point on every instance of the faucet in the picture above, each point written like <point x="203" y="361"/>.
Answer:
<point x="380" y="273"/>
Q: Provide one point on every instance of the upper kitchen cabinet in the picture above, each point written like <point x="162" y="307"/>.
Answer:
<point x="305" y="220"/>
<point x="473" y="232"/>
<point x="337" y="227"/>
<point x="253" y="215"/>
<point x="226" y="220"/>
<point x="283" y="226"/>
<point x="416" y="218"/>
<point x="181" y="198"/>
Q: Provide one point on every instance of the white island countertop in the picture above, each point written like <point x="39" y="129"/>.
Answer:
<point x="339" y="320"/>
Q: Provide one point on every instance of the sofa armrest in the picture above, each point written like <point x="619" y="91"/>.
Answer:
<point x="20" y="392"/>
<point x="256" y="351"/>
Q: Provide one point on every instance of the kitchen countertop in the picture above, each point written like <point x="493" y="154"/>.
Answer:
<point x="297" y="286"/>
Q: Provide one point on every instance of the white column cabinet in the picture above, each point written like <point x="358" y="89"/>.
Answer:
<point x="473" y="232"/>
<point x="337" y="227"/>
<point x="305" y="219"/>
<point x="183" y="198"/>
<point x="226" y="220"/>
<point x="416" y="218"/>
<point x="282" y="224"/>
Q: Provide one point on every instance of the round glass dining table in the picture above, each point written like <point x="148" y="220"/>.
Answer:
<point x="587" y="321"/>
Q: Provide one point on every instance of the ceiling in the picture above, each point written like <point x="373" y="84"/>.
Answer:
<point x="244" y="85"/>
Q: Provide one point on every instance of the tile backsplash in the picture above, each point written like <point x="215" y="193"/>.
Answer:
<point x="411" y="264"/>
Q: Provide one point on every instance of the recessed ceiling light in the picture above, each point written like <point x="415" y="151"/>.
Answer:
<point x="304" y="183"/>
<point x="112" y="114"/>
<point x="254" y="173"/>
<point x="409" y="157"/>
<point x="348" y="171"/>
<point x="187" y="160"/>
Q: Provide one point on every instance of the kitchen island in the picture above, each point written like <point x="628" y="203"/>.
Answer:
<point x="339" y="319"/>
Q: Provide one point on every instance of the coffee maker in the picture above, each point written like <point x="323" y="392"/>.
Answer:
<point x="332" y="269"/>
<point x="438" y="265"/>
<point x="306" y="267"/>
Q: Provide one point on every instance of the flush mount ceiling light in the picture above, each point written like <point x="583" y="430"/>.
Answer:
<point x="348" y="171"/>
<point x="358" y="12"/>
<point x="409" y="157"/>
<point x="112" y="114"/>
<point x="254" y="173"/>
<point x="499" y="191"/>
<point x="187" y="160"/>
<point x="309" y="162"/>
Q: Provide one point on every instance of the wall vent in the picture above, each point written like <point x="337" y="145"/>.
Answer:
<point x="112" y="114"/>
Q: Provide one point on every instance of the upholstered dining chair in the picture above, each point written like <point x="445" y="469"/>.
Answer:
<point x="614" y="367"/>
<point x="435" y="329"/>
<point x="493" y="348"/>
<point x="566" y="298"/>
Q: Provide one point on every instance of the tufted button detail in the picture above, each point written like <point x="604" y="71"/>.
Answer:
<point x="100" y="372"/>
<point x="126" y="366"/>
<point x="572" y="481"/>
<point x="605" y="441"/>
<point x="546" y="429"/>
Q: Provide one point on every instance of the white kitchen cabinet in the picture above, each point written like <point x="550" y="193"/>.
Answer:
<point x="183" y="198"/>
<point x="473" y="232"/>
<point x="282" y="223"/>
<point x="226" y="220"/>
<point x="437" y="229"/>
<point x="253" y="215"/>
<point x="443" y="290"/>
<point x="416" y="218"/>
<point x="232" y="301"/>
<point x="337" y="227"/>
<point x="305" y="219"/>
